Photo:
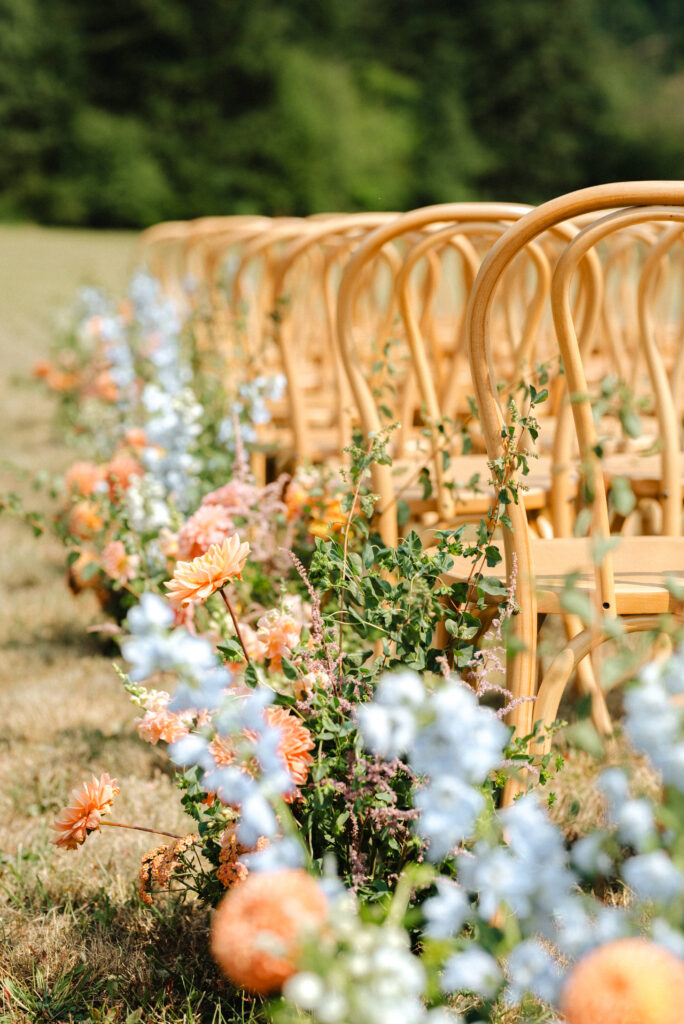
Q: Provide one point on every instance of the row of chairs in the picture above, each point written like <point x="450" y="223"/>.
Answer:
<point x="436" y="319"/>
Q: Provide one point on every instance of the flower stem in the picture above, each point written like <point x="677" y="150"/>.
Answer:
<point x="140" y="828"/>
<point x="235" y="623"/>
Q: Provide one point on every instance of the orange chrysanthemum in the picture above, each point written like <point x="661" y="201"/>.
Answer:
<point x="279" y="634"/>
<point x="84" y="813"/>
<point x="83" y="478"/>
<point x="197" y="580"/>
<point x="630" y="981"/>
<point x="259" y="926"/>
<point x="210" y="524"/>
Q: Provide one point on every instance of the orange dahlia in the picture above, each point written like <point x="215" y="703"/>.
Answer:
<point x="630" y="981"/>
<point x="197" y="580"/>
<point x="84" y="813"/>
<point x="295" y="744"/>
<point x="210" y="524"/>
<point x="259" y="926"/>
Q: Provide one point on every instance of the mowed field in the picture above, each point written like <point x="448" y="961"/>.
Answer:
<point x="75" y="944"/>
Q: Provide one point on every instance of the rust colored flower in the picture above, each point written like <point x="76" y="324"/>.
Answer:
<point x="197" y="580"/>
<point x="119" y="472"/>
<point x="279" y="634"/>
<point x="259" y="926"/>
<point x="210" y="524"/>
<point x="83" y="478"/>
<point x="231" y="869"/>
<point x="84" y="813"/>
<point x="630" y="981"/>
<point x="118" y="564"/>
<point x="84" y="520"/>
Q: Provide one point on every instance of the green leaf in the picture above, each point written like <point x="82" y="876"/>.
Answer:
<point x="492" y="555"/>
<point x="90" y="570"/>
<point x="251" y="677"/>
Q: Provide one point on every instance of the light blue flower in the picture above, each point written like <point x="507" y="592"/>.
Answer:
<point x="445" y="913"/>
<point x="653" y="876"/>
<point x="472" y="970"/>
<point x="448" y="809"/>
<point x="532" y="969"/>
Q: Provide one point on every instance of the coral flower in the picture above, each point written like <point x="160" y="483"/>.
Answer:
<point x="118" y="563"/>
<point x="199" y="579"/>
<point x="210" y="524"/>
<point x="119" y="472"/>
<point x="103" y="387"/>
<point x="279" y="634"/>
<point x="236" y="496"/>
<point x="259" y="926"/>
<point x="83" y="478"/>
<point x="135" y="437"/>
<point x="295" y="744"/>
<point x="84" y="813"/>
<point x="84" y="520"/>
<point x="159" y="723"/>
<point x="631" y="981"/>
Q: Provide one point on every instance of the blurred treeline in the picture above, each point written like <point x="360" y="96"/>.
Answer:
<point x="130" y="111"/>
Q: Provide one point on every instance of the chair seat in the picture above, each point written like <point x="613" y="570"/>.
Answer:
<point x="640" y="566"/>
<point x="471" y="501"/>
<point x="644" y="472"/>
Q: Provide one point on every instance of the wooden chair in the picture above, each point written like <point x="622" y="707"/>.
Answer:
<point x="438" y="225"/>
<point x="628" y="582"/>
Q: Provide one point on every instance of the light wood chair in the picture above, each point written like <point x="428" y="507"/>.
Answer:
<point x="627" y="582"/>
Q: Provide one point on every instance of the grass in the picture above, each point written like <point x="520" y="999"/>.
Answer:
<point x="76" y="944"/>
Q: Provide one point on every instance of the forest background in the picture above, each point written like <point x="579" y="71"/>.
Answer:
<point x="121" y="114"/>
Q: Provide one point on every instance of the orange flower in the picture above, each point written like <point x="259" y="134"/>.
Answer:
<point x="630" y="981"/>
<point x="258" y="928"/>
<point x="136" y="437"/>
<point x="295" y="743"/>
<point x="84" y="813"/>
<point x="118" y="563"/>
<point x="294" y="747"/>
<point x="159" y="723"/>
<point x="210" y="524"/>
<point x="279" y="634"/>
<point x="103" y="387"/>
<point x="83" y="478"/>
<point x="119" y="471"/>
<point x="199" y="579"/>
<point x="84" y="520"/>
<point x="296" y="499"/>
<point x="330" y="520"/>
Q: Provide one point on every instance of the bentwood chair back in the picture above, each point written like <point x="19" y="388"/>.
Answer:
<point x="627" y="581"/>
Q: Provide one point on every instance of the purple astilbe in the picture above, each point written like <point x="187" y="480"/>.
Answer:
<point x="331" y="658"/>
<point x="371" y="802"/>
